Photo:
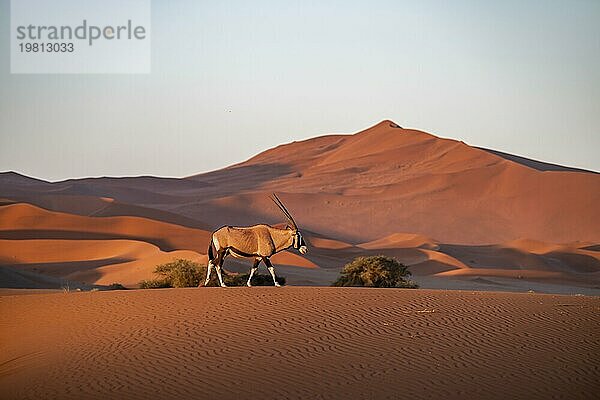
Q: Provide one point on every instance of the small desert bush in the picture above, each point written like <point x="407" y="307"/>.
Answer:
<point x="185" y="273"/>
<point x="154" y="284"/>
<point x="178" y="273"/>
<point x="116" y="286"/>
<point x="375" y="271"/>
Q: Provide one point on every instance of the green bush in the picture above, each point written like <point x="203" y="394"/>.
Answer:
<point x="116" y="286"/>
<point x="154" y="284"/>
<point x="375" y="271"/>
<point x="178" y="273"/>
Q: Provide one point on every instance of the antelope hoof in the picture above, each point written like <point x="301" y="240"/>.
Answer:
<point x="277" y="284"/>
<point x="249" y="284"/>
<point x="223" y="285"/>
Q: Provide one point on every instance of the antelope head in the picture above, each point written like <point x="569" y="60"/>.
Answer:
<point x="298" y="241"/>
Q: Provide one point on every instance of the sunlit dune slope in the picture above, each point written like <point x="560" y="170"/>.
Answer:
<point x="24" y="221"/>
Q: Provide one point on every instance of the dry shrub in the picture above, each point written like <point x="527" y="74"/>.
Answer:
<point x="375" y="271"/>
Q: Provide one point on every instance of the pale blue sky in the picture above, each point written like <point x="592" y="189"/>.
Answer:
<point x="517" y="76"/>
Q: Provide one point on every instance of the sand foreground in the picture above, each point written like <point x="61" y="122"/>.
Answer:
<point x="299" y="343"/>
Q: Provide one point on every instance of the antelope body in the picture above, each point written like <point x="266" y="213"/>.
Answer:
<point x="258" y="242"/>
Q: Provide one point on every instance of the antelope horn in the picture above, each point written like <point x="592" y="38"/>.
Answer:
<point x="279" y="204"/>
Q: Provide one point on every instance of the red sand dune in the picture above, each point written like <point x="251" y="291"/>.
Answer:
<point x="99" y="251"/>
<point x="401" y="240"/>
<point x="299" y="343"/>
<point x="20" y="220"/>
<point x="463" y="211"/>
<point x="98" y="262"/>
<point x="384" y="180"/>
<point x="90" y="250"/>
<point x="365" y="186"/>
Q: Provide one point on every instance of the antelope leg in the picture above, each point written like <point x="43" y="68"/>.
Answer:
<point x="271" y="270"/>
<point x="208" y="270"/>
<point x="218" y="264"/>
<point x="218" y="268"/>
<point x="252" y="271"/>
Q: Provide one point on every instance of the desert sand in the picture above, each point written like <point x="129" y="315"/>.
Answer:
<point x="299" y="343"/>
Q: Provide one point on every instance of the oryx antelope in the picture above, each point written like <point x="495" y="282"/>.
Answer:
<point x="259" y="242"/>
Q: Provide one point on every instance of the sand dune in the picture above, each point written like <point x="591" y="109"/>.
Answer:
<point x="522" y="259"/>
<point x="526" y="257"/>
<point x="57" y="250"/>
<point x="535" y="164"/>
<point x="90" y="262"/>
<point x="325" y="243"/>
<point x="36" y="244"/>
<point x="72" y="204"/>
<point x="98" y="251"/>
<point x="288" y="257"/>
<point x="384" y="190"/>
<point x="130" y="273"/>
<point x="384" y="180"/>
<point x="299" y="343"/>
<point x="19" y="219"/>
<point x="91" y="206"/>
<point x="506" y="273"/>
<point x="362" y="187"/>
<point x="401" y="240"/>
